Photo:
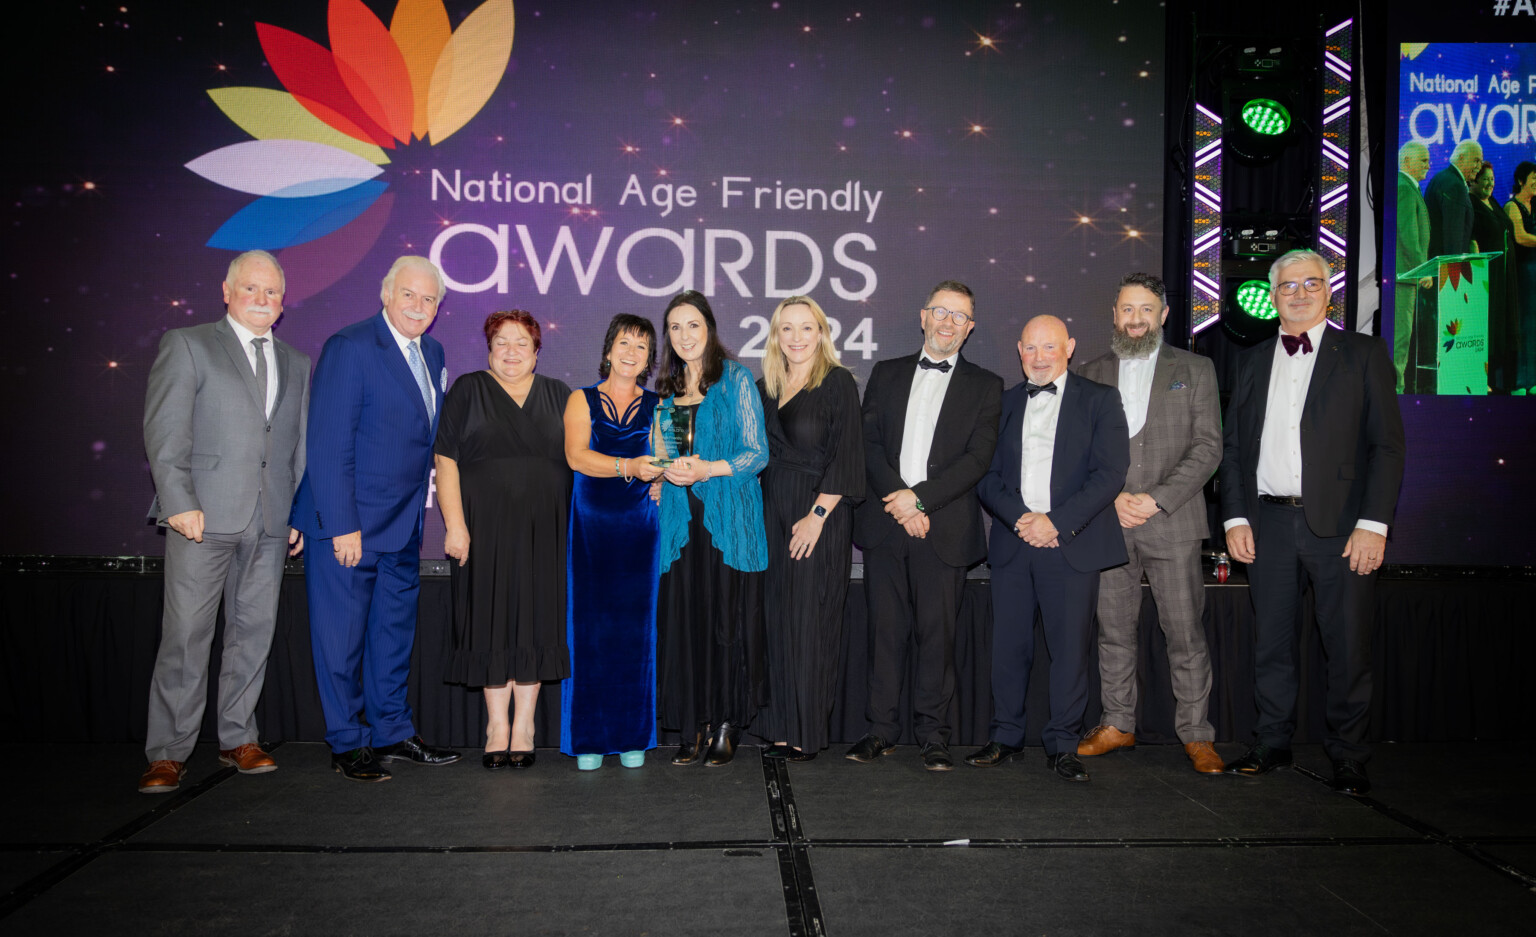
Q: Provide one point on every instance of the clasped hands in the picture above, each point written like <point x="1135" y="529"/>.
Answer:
<point x="902" y="506"/>
<point x="1135" y="510"/>
<point x="1036" y="530"/>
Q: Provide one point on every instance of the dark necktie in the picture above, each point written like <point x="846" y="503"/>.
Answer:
<point x="261" y="372"/>
<point x="940" y="366"/>
<point x="1293" y="342"/>
<point x="1034" y="389"/>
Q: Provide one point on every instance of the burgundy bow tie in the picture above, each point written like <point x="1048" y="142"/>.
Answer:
<point x="1293" y="342"/>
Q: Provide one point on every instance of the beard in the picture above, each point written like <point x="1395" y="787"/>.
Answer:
<point x="1126" y="345"/>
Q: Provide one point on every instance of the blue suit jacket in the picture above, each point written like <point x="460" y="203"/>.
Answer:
<point x="370" y="439"/>
<point x="1088" y="465"/>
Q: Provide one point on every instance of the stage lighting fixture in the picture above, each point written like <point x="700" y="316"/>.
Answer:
<point x="1266" y="118"/>
<point x="1253" y="299"/>
<point x="1247" y="314"/>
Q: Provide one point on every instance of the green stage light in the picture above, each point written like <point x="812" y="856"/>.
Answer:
<point x="1253" y="298"/>
<point x="1267" y="117"/>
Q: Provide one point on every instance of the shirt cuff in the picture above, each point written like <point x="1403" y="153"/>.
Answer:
<point x="1234" y="522"/>
<point x="1375" y="527"/>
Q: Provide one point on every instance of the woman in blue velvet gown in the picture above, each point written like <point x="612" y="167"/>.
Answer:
<point x="608" y="704"/>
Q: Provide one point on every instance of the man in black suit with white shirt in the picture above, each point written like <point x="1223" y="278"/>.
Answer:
<point x="1313" y="460"/>
<point x="930" y="424"/>
<point x="1061" y="459"/>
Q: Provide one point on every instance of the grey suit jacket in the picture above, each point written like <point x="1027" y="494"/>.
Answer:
<point x="1412" y="225"/>
<point x="210" y="445"/>
<point x="1179" y="447"/>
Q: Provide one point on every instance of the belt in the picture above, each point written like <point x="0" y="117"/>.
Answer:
<point x="1276" y="499"/>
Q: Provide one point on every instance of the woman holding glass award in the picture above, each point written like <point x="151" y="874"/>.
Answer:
<point x="609" y="703"/>
<point x="814" y="478"/>
<point x="710" y="438"/>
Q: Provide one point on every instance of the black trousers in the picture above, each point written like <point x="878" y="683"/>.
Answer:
<point x="911" y="593"/>
<point x="1288" y="555"/>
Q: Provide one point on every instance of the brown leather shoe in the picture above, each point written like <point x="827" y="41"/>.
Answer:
<point x="1105" y="739"/>
<point x="162" y="777"/>
<point x="247" y="759"/>
<point x="1203" y="754"/>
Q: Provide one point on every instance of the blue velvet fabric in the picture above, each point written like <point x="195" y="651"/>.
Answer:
<point x="730" y="427"/>
<point x="609" y="703"/>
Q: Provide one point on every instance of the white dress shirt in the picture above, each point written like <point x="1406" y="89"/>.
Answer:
<point x="244" y="335"/>
<point x="923" y="404"/>
<point x="1136" y="388"/>
<point x="1038" y="446"/>
<point x="1279" y="469"/>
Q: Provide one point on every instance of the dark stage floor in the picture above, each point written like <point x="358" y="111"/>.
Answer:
<point x="828" y="847"/>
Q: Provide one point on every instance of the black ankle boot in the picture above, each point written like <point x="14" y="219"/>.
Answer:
<point x="692" y="749"/>
<point x="722" y="746"/>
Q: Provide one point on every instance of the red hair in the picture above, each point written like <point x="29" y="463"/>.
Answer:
<point x="496" y="320"/>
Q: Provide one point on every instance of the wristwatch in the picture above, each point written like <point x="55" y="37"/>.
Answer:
<point x="819" y="511"/>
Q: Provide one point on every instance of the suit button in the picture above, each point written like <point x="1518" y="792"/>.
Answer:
<point x="263" y="465"/>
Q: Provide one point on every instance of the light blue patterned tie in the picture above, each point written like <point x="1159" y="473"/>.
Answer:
<point x="419" y="368"/>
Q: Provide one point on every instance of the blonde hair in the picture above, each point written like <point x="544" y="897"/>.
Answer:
<point x="776" y="366"/>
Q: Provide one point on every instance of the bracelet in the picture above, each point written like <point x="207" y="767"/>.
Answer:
<point x="616" y="472"/>
<point x="627" y="477"/>
<point x="918" y="503"/>
<point x="707" y="473"/>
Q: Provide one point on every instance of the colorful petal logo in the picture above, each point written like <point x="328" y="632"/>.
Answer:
<point x="1452" y="329"/>
<point x="318" y="146"/>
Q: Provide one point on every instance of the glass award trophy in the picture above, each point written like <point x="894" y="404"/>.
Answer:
<point x="672" y="433"/>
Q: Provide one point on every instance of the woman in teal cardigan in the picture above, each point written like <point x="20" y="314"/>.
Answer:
<point x="709" y="617"/>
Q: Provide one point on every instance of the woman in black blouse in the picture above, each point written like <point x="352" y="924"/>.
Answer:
<point x="815" y="475"/>
<point x="504" y="489"/>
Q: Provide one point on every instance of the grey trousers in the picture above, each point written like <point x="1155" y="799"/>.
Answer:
<point x="247" y="570"/>
<point x="1173" y="569"/>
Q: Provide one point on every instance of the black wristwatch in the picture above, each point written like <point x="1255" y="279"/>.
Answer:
<point x="819" y="511"/>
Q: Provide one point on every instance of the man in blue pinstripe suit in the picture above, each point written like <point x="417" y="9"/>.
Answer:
<point x="373" y="417"/>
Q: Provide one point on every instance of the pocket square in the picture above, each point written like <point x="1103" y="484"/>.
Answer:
<point x="1177" y="385"/>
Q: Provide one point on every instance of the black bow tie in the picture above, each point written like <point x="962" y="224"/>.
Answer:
<point x="940" y="366"/>
<point x="1293" y="342"/>
<point x="1034" y="389"/>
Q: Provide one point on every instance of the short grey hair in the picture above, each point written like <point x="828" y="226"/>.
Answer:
<point x="242" y="259"/>
<point x="1465" y="149"/>
<point x="420" y="263"/>
<point x="1411" y="148"/>
<point x="1292" y="258"/>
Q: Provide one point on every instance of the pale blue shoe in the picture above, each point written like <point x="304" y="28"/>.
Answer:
<point x="632" y="759"/>
<point x="589" y="762"/>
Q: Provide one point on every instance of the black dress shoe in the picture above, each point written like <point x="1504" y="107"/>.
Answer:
<point x="358" y="764"/>
<point x="495" y="761"/>
<point x="991" y="755"/>
<point x="1260" y="759"/>
<point x="722" y="746"/>
<point x="869" y="748"/>
<point x="1349" y="778"/>
<point x="799" y="756"/>
<point x="416" y="750"/>
<point x="1066" y="765"/>
<point x="691" y="750"/>
<point x="520" y="759"/>
<point x="778" y="750"/>
<point x="936" y="757"/>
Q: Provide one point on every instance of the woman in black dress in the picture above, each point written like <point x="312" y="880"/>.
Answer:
<point x="814" y="478"/>
<point x="1492" y="231"/>
<point x="504" y="488"/>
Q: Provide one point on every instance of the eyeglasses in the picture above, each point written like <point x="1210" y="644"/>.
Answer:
<point x="1312" y="285"/>
<point x="940" y="313"/>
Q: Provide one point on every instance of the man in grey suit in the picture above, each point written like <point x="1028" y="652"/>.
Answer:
<point x="224" y="425"/>
<point x="1412" y="249"/>
<point x="1174" y="421"/>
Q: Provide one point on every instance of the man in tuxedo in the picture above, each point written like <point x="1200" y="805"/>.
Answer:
<point x="1450" y="201"/>
<point x="1313" y="461"/>
<point x="373" y="418"/>
<point x="1413" y="230"/>
<point x="930" y="423"/>
<point x="224" y="423"/>
<point x="1061" y="459"/>
<point x="1174" y="422"/>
